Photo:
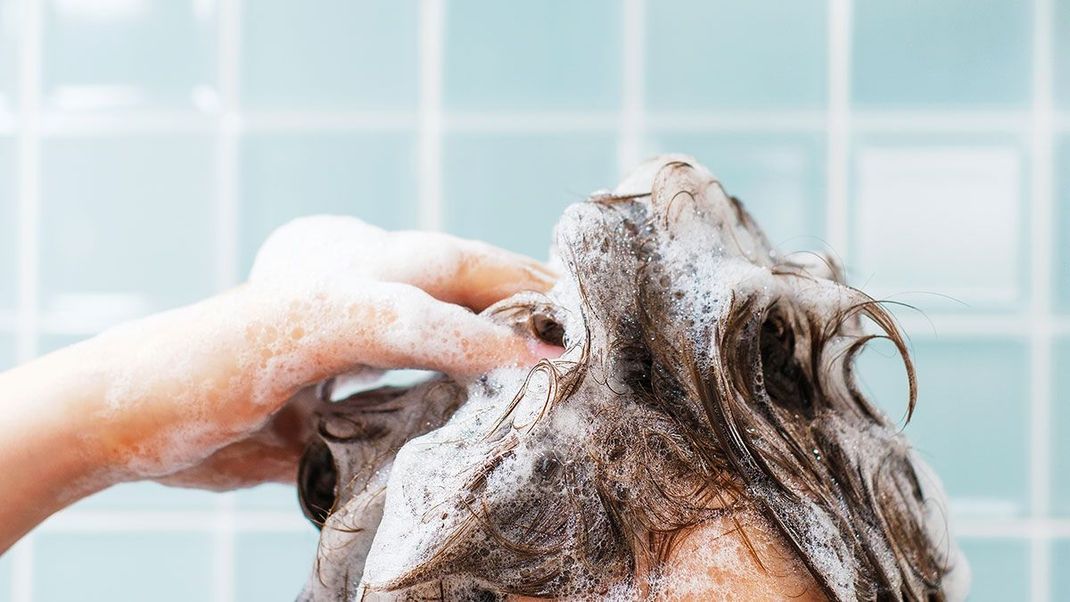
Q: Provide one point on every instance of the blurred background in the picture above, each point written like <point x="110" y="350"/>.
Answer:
<point x="148" y="146"/>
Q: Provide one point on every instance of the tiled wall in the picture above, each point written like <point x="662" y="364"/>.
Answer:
<point x="147" y="146"/>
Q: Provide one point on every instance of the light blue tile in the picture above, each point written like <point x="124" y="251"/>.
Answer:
<point x="704" y="54"/>
<point x="779" y="177"/>
<point x="1000" y="569"/>
<point x="538" y="55"/>
<point x="127" y="225"/>
<point x="269" y="496"/>
<point x="1060" y="562"/>
<point x="1061" y="429"/>
<point x="971" y="421"/>
<point x="941" y="221"/>
<point x="351" y="54"/>
<point x="8" y="225"/>
<point x="368" y="175"/>
<point x="273" y="566"/>
<point x="1061" y="40"/>
<point x="509" y="190"/>
<point x="121" y="55"/>
<point x="99" y="567"/>
<point x="9" y="36"/>
<point x="950" y="54"/>
<point x="1061" y="260"/>
<point x="148" y="496"/>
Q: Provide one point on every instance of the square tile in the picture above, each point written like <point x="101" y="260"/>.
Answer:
<point x="269" y="496"/>
<point x="1061" y="259"/>
<point x="329" y="54"/>
<point x="370" y="175"/>
<point x="1061" y="41"/>
<point x="146" y="495"/>
<point x="127" y="226"/>
<point x="720" y="54"/>
<point x="979" y="389"/>
<point x="497" y="55"/>
<point x="942" y="219"/>
<point x="273" y="566"/>
<point x="129" y="54"/>
<point x="9" y="36"/>
<point x="1060" y="573"/>
<point x="779" y="177"/>
<point x="950" y="54"/>
<point x="1060" y="409"/>
<point x="103" y="567"/>
<point x="1000" y="569"/>
<point x="510" y="189"/>
<point x="9" y="219"/>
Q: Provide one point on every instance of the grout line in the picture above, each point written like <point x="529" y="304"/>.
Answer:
<point x="1041" y="248"/>
<point x="29" y="195"/>
<point x="839" y="90"/>
<point x="60" y="125"/>
<point x="531" y="121"/>
<point x="432" y="32"/>
<point x="228" y="130"/>
<point x="229" y="48"/>
<point x="223" y="546"/>
<point x="630" y="134"/>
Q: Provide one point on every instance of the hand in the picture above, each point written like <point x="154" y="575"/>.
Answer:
<point x="198" y="395"/>
<point x="356" y="295"/>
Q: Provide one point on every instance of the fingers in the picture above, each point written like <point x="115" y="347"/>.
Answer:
<point x="320" y="248"/>
<point x="466" y="272"/>
<point x="392" y="325"/>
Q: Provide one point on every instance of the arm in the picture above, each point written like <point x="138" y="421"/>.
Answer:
<point x="185" y="395"/>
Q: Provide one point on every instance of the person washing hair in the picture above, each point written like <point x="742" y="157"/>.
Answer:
<point x="668" y="412"/>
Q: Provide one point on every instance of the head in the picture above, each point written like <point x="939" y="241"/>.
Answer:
<point x="706" y="376"/>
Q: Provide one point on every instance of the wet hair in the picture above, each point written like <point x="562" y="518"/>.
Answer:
<point x="700" y="392"/>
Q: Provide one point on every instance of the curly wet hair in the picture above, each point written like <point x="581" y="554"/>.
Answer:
<point x="700" y="392"/>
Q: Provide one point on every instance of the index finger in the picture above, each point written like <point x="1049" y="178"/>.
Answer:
<point x="467" y="272"/>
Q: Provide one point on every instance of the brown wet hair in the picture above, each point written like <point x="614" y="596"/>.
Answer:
<point x="749" y="403"/>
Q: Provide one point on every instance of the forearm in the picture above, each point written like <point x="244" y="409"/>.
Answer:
<point x="49" y="456"/>
<point x="142" y="400"/>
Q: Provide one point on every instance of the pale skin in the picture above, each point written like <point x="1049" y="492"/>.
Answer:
<point x="206" y="395"/>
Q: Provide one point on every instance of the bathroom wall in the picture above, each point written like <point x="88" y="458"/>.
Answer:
<point x="148" y="146"/>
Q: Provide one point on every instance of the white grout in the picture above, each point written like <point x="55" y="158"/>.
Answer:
<point x="60" y="124"/>
<point x="630" y="125"/>
<point x="432" y="27"/>
<point x="29" y="195"/>
<point x="227" y="252"/>
<point x="1042" y="248"/>
<point x="839" y="124"/>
